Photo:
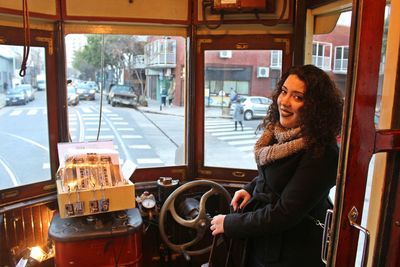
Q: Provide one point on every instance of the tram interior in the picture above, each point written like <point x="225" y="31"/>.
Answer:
<point x="117" y="140"/>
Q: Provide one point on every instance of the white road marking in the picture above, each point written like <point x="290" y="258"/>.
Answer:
<point x="131" y="136"/>
<point x="32" y="112"/>
<point x="125" y="129"/>
<point x="10" y="173"/>
<point x="16" y="112"/>
<point x="140" y="146"/>
<point x="149" y="160"/>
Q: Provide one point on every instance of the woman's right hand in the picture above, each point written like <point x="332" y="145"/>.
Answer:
<point x="240" y="198"/>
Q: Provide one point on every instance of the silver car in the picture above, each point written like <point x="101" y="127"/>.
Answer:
<point x="254" y="106"/>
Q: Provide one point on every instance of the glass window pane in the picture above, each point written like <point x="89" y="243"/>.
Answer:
<point x="337" y="39"/>
<point x="142" y="83"/>
<point x="24" y="149"/>
<point x="246" y="76"/>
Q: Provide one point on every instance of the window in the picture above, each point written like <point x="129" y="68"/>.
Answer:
<point x="145" y="121"/>
<point x="276" y="59"/>
<point x="321" y="55"/>
<point x="226" y="144"/>
<point x="24" y="149"/>
<point x="341" y="58"/>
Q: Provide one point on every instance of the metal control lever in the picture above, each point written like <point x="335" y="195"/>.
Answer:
<point x="353" y="214"/>
<point x="326" y="236"/>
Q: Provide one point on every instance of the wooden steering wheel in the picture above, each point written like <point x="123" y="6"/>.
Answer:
<point x="201" y="223"/>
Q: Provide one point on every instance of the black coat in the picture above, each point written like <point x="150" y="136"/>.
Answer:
<point x="278" y="220"/>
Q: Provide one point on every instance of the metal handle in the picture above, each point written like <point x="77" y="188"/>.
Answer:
<point x="353" y="214"/>
<point x="326" y="236"/>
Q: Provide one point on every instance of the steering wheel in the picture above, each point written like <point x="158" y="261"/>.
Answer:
<point x="201" y="223"/>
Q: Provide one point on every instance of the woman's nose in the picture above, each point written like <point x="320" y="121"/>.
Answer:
<point x="285" y="100"/>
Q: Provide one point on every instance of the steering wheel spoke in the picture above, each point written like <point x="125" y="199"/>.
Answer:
<point x="179" y="219"/>
<point x="200" y="223"/>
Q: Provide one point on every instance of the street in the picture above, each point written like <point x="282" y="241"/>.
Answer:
<point x="146" y="137"/>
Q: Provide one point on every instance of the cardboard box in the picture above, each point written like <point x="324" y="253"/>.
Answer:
<point x="90" y="180"/>
<point x="120" y="198"/>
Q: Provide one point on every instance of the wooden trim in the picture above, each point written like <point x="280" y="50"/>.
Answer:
<point x="387" y="140"/>
<point x="299" y="32"/>
<point x="31" y="14"/>
<point x="66" y="17"/>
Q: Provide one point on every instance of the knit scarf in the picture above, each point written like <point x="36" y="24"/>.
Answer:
<point x="277" y="142"/>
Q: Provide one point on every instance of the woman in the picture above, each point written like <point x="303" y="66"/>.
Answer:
<point x="297" y="158"/>
<point x="238" y="114"/>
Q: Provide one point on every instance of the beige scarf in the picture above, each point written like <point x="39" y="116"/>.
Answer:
<point x="277" y="142"/>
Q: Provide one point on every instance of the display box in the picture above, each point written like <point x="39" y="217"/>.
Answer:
<point x="90" y="180"/>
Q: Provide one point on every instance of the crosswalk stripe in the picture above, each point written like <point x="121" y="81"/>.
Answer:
<point x="225" y="129"/>
<point x="218" y="123"/>
<point x="32" y="112"/>
<point x="46" y="165"/>
<point x="242" y="142"/>
<point x="245" y="148"/>
<point x="94" y="123"/>
<point x="232" y="133"/>
<point x="219" y="126"/>
<point x="106" y="110"/>
<point x="16" y="112"/>
<point x="100" y="137"/>
<point x="131" y="136"/>
<point x="236" y="137"/>
<point x="149" y="160"/>
<point x="86" y="110"/>
<point x="125" y="129"/>
<point x="117" y="119"/>
<point x="120" y="123"/>
<point x="140" y="146"/>
<point x="96" y="129"/>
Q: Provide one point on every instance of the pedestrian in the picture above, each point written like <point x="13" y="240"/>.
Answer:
<point x="238" y="114"/>
<point x="297" y="157"/>
<point x="164" y="94"/>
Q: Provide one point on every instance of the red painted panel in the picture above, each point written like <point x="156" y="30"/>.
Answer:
<point x="367" y="56"/>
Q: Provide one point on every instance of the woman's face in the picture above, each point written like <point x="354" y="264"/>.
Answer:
<point x="290" y="101"/>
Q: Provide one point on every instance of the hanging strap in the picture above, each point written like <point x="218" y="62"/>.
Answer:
<point x="27" y="38"/>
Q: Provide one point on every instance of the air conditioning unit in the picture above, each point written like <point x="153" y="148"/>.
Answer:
<point x="262" y="72"/>
<point x="225" y="54"/>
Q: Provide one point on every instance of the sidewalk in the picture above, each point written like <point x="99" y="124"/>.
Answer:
<point x="154" y="107"/>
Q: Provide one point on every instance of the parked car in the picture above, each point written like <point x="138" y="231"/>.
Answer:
<point x="85" y="91"/>
<point x="16" y="96"/>
<point x="29" y="91"/>
<point x="41" y="85"/>
<point x="254" y="106"/>
<point x="122" y="94"/>
<point x="73" y="98"/>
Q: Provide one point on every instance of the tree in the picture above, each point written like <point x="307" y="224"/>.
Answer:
<point x="118" y="52"/>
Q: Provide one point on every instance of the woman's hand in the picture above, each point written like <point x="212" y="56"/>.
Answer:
<point x="217" y="224"/>
<point x="240" y="197"/>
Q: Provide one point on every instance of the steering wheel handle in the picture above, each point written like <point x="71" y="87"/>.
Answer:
<point x="201" y="223"/>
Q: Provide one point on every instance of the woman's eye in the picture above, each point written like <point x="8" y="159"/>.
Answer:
<point x="298" y="97"/>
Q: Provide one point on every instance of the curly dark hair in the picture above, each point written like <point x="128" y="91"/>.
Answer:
<point x="321" y="115"/>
